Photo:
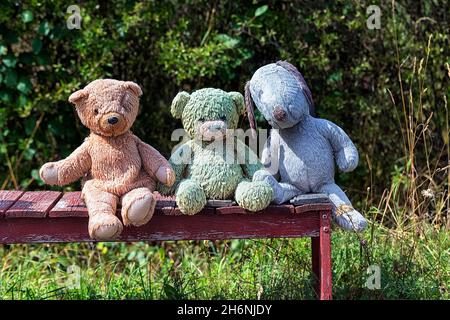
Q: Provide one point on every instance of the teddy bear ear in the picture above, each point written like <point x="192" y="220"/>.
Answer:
<point x="238" y="100"/>
<point x="134" y="87"/>
<point x="250" y="106"/>
<point x="178" y="104"/>
<point x="78" y="95"/>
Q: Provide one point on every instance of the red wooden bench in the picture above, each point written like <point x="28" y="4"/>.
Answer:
<point x="50" y="216"/>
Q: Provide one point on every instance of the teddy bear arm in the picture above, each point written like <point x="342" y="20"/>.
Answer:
<point x="344" y="150"/>
<point x="247" y="159"/>
<point x="179" y="162"/>
<point x="270" y="154"/>
<point x="75" y="166"/>
<point x="251" y="164"/>
<point x="155" y="164"/>
<point x="170" y="190"/>
<point x="68" y="170"/>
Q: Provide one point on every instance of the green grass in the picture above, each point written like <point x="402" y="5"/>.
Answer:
<point x="413" y="266"/>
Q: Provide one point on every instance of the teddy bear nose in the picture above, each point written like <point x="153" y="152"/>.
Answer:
<point x="113" y="120"/>
<point x="279" y="114"/>
<point x="216" y="127"/>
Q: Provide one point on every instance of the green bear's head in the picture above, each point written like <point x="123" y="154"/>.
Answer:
<point x="208" y="113"/>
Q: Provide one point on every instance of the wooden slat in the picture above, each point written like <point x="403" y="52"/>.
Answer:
<point x="313" y="207"/>
<point x="310" y="198"/>
<point x="33" y="204"/>
<point x="70" y="205"/>
<point x="196" y="227"/>
<point x="167" y="211"/>
<point x="231" y="210"/>
<point x="7" y="199"/>
<point x="311" y="202"/>
<point x="175" y="211"/>
<point x="164" y="201"/>
<point x="220" y="203"/>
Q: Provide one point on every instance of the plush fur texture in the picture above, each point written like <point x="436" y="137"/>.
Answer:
<point x="304" y="148"/>
<point x="116" y="165"/>
<point x="214" y="164"/>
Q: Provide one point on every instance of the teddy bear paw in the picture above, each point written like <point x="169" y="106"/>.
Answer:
<point x="49" y="173"/>
<point x="139" y="211"/>
<point x="104" y="226"/>
<point x="254" y="196"/>
<point x="349" y="219"/>
<point x="190" y="197"/>
<point x="170" y="177"/>
<point x="262" y="175"/>
<point x="166" y="176"/>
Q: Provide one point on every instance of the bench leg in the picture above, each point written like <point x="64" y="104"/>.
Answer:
<point x="321" y="258"/>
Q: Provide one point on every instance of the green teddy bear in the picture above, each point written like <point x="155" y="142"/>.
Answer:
<point x="215" y="163"/>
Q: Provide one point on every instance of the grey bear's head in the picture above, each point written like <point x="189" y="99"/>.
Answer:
<point x="280" y="93"/>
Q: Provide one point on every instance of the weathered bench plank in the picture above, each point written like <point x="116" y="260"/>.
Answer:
<point x="33" y="204"/>
<point x="70" y="205"/>
<point x="7" y="199"/>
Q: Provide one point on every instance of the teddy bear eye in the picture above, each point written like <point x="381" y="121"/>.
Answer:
<point x="201" y="119"/>
<point x="95" y="111"/>
<point x="223" y="118"/>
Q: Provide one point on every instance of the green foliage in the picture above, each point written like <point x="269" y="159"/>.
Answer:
<point x="219" y="55"/>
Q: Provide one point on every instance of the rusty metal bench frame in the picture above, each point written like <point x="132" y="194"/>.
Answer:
<point x="52" y="217"/>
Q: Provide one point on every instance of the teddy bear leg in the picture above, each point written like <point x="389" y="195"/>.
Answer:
<point x="254" y="196"/>
<point x="101" y="205"/>
<point x="344" y="214"/>
<point x="282" y="192"/>
<point x="138" y="207"/>
<point x="190" y="196"/>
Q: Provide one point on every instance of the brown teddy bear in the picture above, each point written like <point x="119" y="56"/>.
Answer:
<point x="116" y="165"/>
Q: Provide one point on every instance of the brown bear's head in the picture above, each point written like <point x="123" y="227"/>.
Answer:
<point x="107" y="107"/>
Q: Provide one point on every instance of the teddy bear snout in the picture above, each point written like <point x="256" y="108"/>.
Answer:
<point x="279" y="114"/>
<point x="113" y="123"/>
<point x="213" y="130"/>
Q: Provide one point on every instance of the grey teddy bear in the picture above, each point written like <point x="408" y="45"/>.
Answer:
<point x="301" y="152"/>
